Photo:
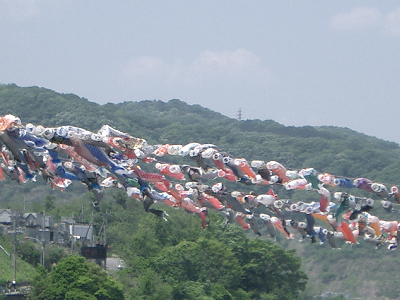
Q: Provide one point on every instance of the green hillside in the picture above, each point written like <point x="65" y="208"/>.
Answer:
<point x="25" y="271"/>
<point x="329" y="149"/>
<point x="358" y="271"/>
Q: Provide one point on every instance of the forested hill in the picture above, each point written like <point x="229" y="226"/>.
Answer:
<point x="339" y="151"/>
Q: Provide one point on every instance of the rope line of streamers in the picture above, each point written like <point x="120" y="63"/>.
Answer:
<point x="112" y="159"/>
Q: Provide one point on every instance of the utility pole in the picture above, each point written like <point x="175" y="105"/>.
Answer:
<point x="105" y="237"/>
<point x="44" y="239"/>
<point x="72" y="234"/>
<point x="81" y="216"/>
<point x="43" y="249"/>
<point x="105" y="228"/>
<point x="15" y="246"/>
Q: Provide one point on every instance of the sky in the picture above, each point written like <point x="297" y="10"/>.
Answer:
<point x="334" y="63"/>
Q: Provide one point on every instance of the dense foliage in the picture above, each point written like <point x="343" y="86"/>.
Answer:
<point x="25" y="271"/>
<point x="150" y="246"/>
<point x="335" y="150"/>
<point x="75" y="279"/>
<point x="31" y="252"/>
<point x="178" y="260"/>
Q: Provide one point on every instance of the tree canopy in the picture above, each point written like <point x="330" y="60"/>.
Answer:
<point x="74" y="278"/>
<point x="176" y="260"/>
<point x="145" y="241"/>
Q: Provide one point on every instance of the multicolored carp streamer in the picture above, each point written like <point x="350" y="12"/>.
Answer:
<point x="111" y="158"/>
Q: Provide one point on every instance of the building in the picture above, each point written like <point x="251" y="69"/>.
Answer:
<point x="31" y="220"/>
<point x="6" y="216"/>
<point x="82" y="232"/>
<point x="37" y="220"/>
<point x="61" y="233"/>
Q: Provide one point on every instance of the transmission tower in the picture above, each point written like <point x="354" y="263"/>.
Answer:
<point x="239" y="114"/>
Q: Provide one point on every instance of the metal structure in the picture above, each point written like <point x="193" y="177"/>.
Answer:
<point x="4" y="250"/>
<point x="43" y="247"/>
<point x="239" y="114"/>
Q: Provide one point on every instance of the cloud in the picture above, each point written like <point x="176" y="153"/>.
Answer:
<point x="236" y="61"/>
<point x="227" y="65"/>
<point x="362" y="18"/>
<point x="358" y="18"/>
<point x="18" y="10"/>
<point x="392" y="23"/>
<point x="146" y="66"/>
<point x="26" y="10"/>
<point x="209" y="71"/>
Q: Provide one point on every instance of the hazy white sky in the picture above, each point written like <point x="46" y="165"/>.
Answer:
<point x="296" y="62"/>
